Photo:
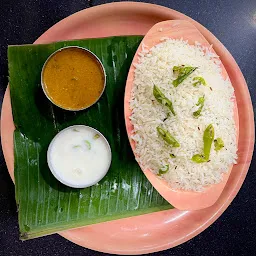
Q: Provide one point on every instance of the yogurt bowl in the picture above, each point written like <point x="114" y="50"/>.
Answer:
<point x="79" y="156"/>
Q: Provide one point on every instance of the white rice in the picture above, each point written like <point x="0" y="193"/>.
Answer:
<point x="155" y="68"/>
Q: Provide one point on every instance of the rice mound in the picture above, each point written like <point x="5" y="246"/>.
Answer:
<point x="155" y="68"/>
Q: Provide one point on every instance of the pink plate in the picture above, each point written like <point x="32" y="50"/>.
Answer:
<point x="182" y="200"/>
<point x="151" y="232"/>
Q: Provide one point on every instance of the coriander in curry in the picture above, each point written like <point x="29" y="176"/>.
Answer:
<point x="73" y="78"/>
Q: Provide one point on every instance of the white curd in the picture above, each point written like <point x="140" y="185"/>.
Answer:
<point x="79" y="156"/>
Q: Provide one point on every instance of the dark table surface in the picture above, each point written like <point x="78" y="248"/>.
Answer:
<point x="234" y="23"/>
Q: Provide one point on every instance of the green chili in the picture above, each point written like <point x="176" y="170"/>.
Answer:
<point x="183" y="73"/>
<point x="76" y="146"/>
<point x="208" y="139"/>
<point x="200" y="103"/>
<point x="88" y="144"/>
<point x="167" y="137"/>
<point x="172" y="156"/>
<point x="163" y="170"/>
<point x="160" y="97"/>
<point x="198" y="80"/>
<point x="218" y="144"/>
<point x="96" y="136"/>
<point x="198" y="158"/>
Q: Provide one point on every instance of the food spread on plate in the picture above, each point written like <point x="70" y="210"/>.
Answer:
<point x="73" y="78"/>
<point x="46" y="206"/>
<point x="182" y="114"/>
<point x="181" y="118"/>
<point x="79" y="156"/>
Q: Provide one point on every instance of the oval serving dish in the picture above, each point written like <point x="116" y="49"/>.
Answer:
<point x="180" y="199"/>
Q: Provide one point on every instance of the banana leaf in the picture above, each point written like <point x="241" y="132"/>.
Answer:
<point x="46" y="206"/>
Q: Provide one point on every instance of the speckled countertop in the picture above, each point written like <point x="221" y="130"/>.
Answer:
<point x="234" y="23"/>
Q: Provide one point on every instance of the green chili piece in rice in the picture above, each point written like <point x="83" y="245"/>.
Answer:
<point x="198" y="158"/>
<point x="208" y="139"/>
<point x="218" y="144"/>
<point x="172" y="156"/>
<point x="160" y="97"/>
<point x="198" y="81"/>
<point x="167" y="137"/>
<point x="200" y="103"/>
<point x="183" y="72"/>
<point x="163" y="170"/>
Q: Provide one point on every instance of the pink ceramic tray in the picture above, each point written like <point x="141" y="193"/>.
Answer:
<point x="161" y="230"/>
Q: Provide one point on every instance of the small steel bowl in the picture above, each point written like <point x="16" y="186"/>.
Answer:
<point x="93" y="56"/>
